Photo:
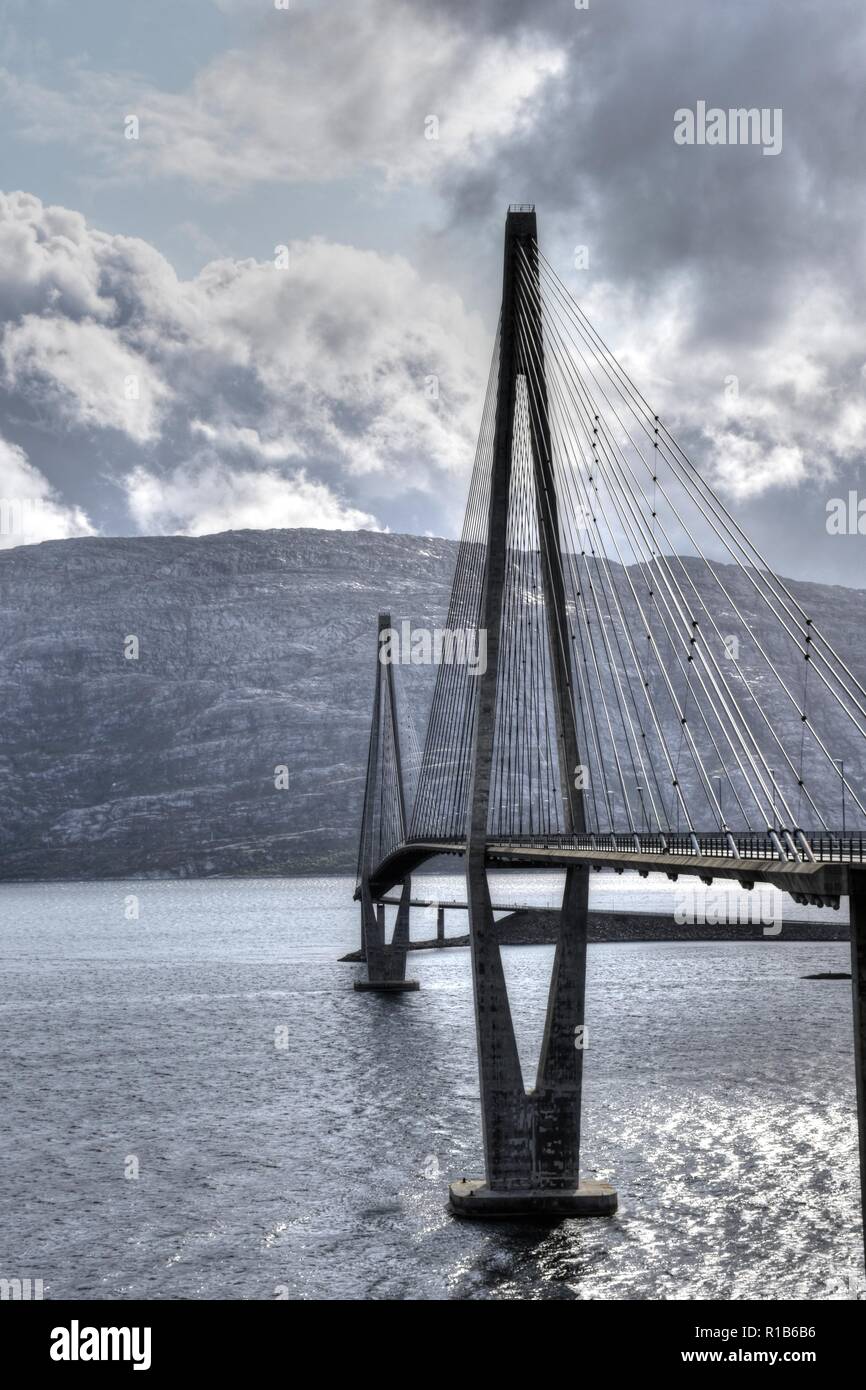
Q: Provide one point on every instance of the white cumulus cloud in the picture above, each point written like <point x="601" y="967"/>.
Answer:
<point x="343" y="382"/>
<point x="199" y="500"/>
<point x="86" y="372"/>
<point x="30" y="509"/>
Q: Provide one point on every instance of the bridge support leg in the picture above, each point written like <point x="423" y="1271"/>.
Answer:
<point x="857" y="905"/>
<point x="531" y="1139"/>
<point x="440" y="926"/>
<point x="386" y="964"/>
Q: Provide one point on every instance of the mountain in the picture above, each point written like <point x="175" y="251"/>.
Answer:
<point x="256" y="650"/>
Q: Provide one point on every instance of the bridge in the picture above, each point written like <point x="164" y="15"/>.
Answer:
<point x="622" y="683"/>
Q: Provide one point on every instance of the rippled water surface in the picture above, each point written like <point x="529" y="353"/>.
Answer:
<point x="294" y="1138"/>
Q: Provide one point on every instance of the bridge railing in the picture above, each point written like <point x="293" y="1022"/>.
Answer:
<point x="827" y="846"/>
<point x="840" y="849"/>
<point x="753" y="846"/>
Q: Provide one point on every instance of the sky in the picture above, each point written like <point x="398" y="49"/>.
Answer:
<point x="232" y="258"/>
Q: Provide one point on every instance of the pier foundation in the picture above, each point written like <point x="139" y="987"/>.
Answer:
<point x="478" y="1201"/>
<point x="386" y="962"/>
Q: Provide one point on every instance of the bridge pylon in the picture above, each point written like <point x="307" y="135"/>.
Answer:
<point x="531" y="1138"/>
<point x="383" y="825"/>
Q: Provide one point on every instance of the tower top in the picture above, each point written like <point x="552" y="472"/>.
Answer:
<point x="520" y="222"/>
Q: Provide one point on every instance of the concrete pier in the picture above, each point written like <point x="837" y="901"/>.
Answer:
<point x="386" y="962"/>
<point x="478" y="1201"/>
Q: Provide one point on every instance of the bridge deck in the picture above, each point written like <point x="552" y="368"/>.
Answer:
<point x="821" y="880"/>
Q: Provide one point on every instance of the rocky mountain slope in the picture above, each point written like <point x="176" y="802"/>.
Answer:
<point x="256" y="650"/>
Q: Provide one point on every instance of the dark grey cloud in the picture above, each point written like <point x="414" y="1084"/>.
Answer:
<point x="764" y="254"/>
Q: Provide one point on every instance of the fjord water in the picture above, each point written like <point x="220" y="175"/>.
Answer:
<point x="293" y="1138"/>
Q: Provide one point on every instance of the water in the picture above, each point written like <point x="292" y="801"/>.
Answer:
<point x="294" y="1138"/>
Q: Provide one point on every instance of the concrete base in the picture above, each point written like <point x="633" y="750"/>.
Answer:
<point x="474" y="1199"/>
<point x="387" y="986"/>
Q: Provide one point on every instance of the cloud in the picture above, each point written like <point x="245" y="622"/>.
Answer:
<point x="84" y="373"/>
<point x="705" y="264"/>
<point x="761" y="417"/>
<point x="30" y="509"/>
<point x="235" y="438"/>
<point x="199" y="499"/>
<point x="48" y="260"/>
<point x="746" y="466"/>
<point x="322" y="93"/>
<point x="343" y="376"/>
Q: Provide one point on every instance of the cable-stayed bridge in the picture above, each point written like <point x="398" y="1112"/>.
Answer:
<point x="622" y="682"/>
